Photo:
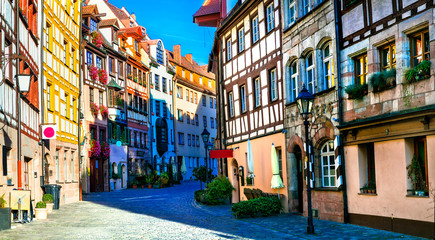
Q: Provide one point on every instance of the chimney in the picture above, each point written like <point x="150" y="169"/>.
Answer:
<point x="133" y="16"/>
<point x="177" y="53"/>
<point x="189" y="58"/>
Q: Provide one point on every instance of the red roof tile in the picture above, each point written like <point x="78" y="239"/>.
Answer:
<point x="208" y="7"/>
<point x="108" y="22"/>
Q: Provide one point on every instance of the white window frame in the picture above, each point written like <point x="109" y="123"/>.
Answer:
<point x="229" y="53"/>
<point x="270" y="15"/>
<point x="257" y="92"/>
<point x="255" y="31"/>
<point x="291" y="9"/>
<point x="241" y="40"/>
<point x="310" y="83"/>
<point x="307" y="6"/>
<point x="231" y="103"/>
<point x="243" y="98"/>
<point x="328" y="155"/>
<point x="328" y="76"/>
<point x="294" y="83"/>
<point x="273" y="85"/>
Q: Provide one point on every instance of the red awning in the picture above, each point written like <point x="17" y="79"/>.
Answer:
<point x="221" y="153"/>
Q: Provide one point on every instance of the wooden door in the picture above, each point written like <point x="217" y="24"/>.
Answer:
<point x="97" y="180"/>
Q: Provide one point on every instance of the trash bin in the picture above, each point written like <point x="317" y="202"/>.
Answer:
<point x="54" y="190"/>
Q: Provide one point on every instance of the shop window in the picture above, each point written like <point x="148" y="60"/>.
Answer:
<point x="367" y="169"/>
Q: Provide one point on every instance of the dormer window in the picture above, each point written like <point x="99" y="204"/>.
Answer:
<point x="131" y="24"/>
<point x="136" y="46"/>
<point x="93" y="25"/>
<point x="160" y="53"/>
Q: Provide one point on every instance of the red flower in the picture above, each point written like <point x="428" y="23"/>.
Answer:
<point x="95" y="148"/>
<point x="105" y="150"/>
<point x="104" y="111"/>
<point x="102" y="76"/>
<point x="94" y="109"/>
<point x="93" y="72"/>
<point x="97" y="39"/>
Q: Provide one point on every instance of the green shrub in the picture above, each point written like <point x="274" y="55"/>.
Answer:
<point x="199" y="195"/>
<point x="263" y="206"/>
<point x="41" y="204"/>
<point x="200" y="173"/>
<point x="418" y="73"/>
<point x="218" y="190"/>
<point x="356" y="91"/>
<point x="47" y="198"/>
<point x="3" y="201"/>
<point x="383" y="80"/>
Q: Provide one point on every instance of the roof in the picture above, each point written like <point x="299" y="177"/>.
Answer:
<point x="193" y="67"/>
<point x="131" y="30"/>
<point x="108" y="23"/>
<point x="89" y="9"/>
<point x="113" y="84"/>
<point x="208" y="7"/>
<point x="123" y="18"/>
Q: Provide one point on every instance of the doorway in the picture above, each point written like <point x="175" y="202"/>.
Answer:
<point x="97" y="182"/>
<point x="300" y="176"/>
<point x="235" y="181"/>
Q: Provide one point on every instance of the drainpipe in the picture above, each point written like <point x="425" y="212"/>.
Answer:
<point x="79" y="101"/>
<point x="221" y="102"/>
<point x="340" y="110"/>
<point x="42" y="102"/>
<point x="18" y="93"/>
<point x="174" y="122"/>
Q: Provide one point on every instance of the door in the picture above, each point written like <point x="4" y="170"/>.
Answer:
<point x="300" y="176"/>
<point x="235" y="182"/>
<point x="97" y="179"/>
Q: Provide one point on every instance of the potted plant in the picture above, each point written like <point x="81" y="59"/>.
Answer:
<point x="48" y="199"/>
<point x="5" y="214"/>
<point x="383" y="80"/>
<point x="357" y="91"/>
<point x="41" y="210"/>
<point x="365" y="188"/>
<point x="9" y="181"/>
<point x="416" y="175"/>
<point x="164" y="178"/>
<point x="418" y="73"/>
<point x="134" y="184"/>
<point x="157" y="183"/>
<point x="149" y="180"/>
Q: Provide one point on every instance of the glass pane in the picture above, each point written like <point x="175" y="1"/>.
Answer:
<point x="385" y="57"/>
<point x="393" y="54"/>
<point x="426" y="42"/>
<point x="417" y="47"/>
<point x="325" y="171"/>
<point x="326" y="181"/>
<point x="326" y="52"/>
<point x="332" y="170"/>
<point x="310" y="60"/>
<point x="332" y="181"/>
<point x="331" y="160"/>
<point x="325" y="160"/>
<point x="358" y="67"/>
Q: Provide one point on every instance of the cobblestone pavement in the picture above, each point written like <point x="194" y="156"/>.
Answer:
<point x="171" y="213"/>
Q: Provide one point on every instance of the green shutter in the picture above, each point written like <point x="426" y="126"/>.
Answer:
<point x="109" y="139"/>
<point x="118" y="132"/>
<point x="111" y="170"/>
<point x="120" y="171"/>
<point x="127" y="135"/>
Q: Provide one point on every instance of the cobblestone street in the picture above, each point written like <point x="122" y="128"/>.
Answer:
<point x="171" y="213"/>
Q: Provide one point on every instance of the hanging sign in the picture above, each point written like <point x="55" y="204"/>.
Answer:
<point x="48" y="131"/>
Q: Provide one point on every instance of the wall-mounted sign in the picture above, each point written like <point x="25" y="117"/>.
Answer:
<point x="48" y="131"/>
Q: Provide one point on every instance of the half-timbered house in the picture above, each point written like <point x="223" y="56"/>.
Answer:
<point x="387" y="61"/>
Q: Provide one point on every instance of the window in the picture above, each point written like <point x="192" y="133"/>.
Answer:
<point x="57" y="165"/>
<point x="157" y="103"/>
<point x="420" y="153"/>
<point x="211" y="122"/>
<point x="420" y="48"/>
<point x="164" y="85"/>
<point x="165" y="110"/>
<point x="211" y="102"/>
<point x="255" y="31"/>
<point x="192" y="119"/>
<point x="215" y="123"/>
<point x="136" y="46"/>
<point x="257" y="92"/>
<point x="179" y="92"/>
<point x="204" y="100"/>
<point x="65" y="43"/>
<point x="270" y="17"/>
<point x="307" y="6"/>
<point x="228" y="49"/>
<point x="290" y="5"/>
<point x="209" y="83"/>
<point x="191" y="77"/>
<point x="196" y="98"/>
<point x="388" y="57"/>
<point x="328" y="164"/>
<point x="98" y="61"/>
<point x="181" y="138"/>
<point x="200" y="80"/>
<point x="129" y="71"/>
<point x="294" y="83"/>
<point x="242" y="98"/>
<point x="204" y="121"/>
<point x="160" y="52"/>
<point x="49" y="97"/>
<point x="91" y="95"/>
<point x="65" y="165"/>
<point x="66" y="106"/>
<point x="188" y="118"/>
<point x="48" y="37"/>
<point x="241" y="40"/>
<point x="361" y="69"/>
<point x="180" y="115"/>
<point x="328" y="67"/>
<point x="187" y="95"/>
<point x="309" y="64"/>
<point x="72" y="55"/>
<point x="100" y="97"/>
<point x="196" y="120"/>
<point x="183" y="73"/>
<point x="156" y="82"/>
<point x="215" y="103"/>
<point x="72" y="166"/>
<point x="111" y="62"/>
<point x="120" y="69"/>
<point x="231" y="104"/>
<point x="273" y="85"/>
<point x="188" y="140"/>
<point x="197" y="141"/>
<point x="93" y="25"/>
<point x="191" y="96"/>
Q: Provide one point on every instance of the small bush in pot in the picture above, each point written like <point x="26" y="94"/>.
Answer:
<point x="48" y="199"/>
<point x="41" y="210"/>
<point x="218" y="190"/>
<point x="357" y="91"/>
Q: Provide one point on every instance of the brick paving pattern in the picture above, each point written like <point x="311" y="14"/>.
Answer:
<point x="171" y="213"/>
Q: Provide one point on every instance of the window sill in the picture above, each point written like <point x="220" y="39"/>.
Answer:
<point x="415" y="196"/>
<point x="59" y="182"/>
<point x="327" y="189"/>
<point x="368" y="194"/>
<point x="67" y="182"/>
<point x="324" y="91"/>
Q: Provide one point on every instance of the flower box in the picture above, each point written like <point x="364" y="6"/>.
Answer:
<point x="357" y="91"/>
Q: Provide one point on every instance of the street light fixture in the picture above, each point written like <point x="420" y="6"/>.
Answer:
<point x="205" y="137"/>
<point x="305" y="102"/>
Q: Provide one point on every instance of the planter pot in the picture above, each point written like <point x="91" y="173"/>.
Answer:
<point x="41" y="213"/>
<point x="142" y="186"/>
<point x="150" y="186"/>
<point x="5" y="218"/>
<point x="50" y="207"/>
<point x="134" y="186"/>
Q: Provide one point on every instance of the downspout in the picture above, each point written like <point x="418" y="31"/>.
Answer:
<point x="340" y="110"/>
<point x="174" y="122"/>
<point x="18" y="93"/>
<point x="42" y="106"/>
<point x="221" y="102"/>
<point x="80" y="100"/>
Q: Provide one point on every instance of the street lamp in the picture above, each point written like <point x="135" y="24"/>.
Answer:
<point x="305" y="102"/>
<point x="205" y="136"/>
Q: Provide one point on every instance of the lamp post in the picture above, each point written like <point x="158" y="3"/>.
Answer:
<point x="305" y="102"/>
<point x="23" y="86"/>
<point x="205" y="136"/>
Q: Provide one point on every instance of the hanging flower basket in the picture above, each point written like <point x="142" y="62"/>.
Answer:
<point x="95" y="148"/>
<point x="93" y="72"/>
<point x="105" y="150"/>
<point x="104" y="112"/>
<point x="97" y="39"/>
<point x="94" y="109"/>
<point x="102" y="76"/>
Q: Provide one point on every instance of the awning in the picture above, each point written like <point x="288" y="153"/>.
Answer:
<point x="221" y="153"/>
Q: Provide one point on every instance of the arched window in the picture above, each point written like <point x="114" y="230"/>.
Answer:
<point x="328" y="67"/>
<point x="311" y="75"/>
<point x="160" y="53"/>
<point x="292" y="83"/>
<point x="327" y="158"/>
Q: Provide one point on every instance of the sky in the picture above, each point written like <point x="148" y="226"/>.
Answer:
<point x="172" y="22"/>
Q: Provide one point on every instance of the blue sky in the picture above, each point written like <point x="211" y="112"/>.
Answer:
<point x="172" y="21"/>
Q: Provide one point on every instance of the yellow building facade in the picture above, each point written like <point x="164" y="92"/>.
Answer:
<point x="61" y="84"/>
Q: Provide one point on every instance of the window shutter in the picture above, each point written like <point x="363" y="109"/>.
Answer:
<point x="120" y="170"/>
<point x="111" y="171"/>
<point x="5" y="160"/>
<point x="127" y="135"/>
<point x="109" y="128"/>
<point x="338" y="170"/>
<point x="118" y="132"/>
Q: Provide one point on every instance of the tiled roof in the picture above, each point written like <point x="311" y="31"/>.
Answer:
<point x="135" y="30"/>
<point x="89" y="9"/>
<point x="108" y="22"/>
<point x="208" y="7"/>
<point x="194" y="67"/>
